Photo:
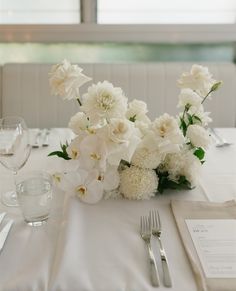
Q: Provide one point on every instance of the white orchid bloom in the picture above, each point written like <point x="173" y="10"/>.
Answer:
<point x="87" y="186"/>
<point x="93" y="153"/>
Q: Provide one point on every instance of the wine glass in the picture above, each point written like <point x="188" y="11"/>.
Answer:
<point x="14" y="150"/>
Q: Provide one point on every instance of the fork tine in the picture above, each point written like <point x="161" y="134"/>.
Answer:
<point x="148" y="229"/>
<point x="158" y="219"/>
<point x="152" y="219"/>
<point x="142" y="224"/>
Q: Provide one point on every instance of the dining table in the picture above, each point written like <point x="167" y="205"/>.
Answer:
<point x="98" y="247"/>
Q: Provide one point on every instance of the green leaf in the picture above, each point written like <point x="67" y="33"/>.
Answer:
<point x="60" y="155"/>
<point x="200" y="153"/>
<point x="166" y="183"/>
<point x="196" y="118"/>
<point x="183" y="126"/>
<point x="190" y="119"/>
<point x="133" y="118"/>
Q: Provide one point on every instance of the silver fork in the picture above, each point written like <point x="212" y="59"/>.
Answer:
<point x="155" y="222"/>
<point x="36" y="143"/>
<point x="46" y="138"/>
<point x="145" y="231"/>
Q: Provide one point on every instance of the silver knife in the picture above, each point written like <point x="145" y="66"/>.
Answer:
<point x="4" y="233"/>
<point x="2" y="215"/>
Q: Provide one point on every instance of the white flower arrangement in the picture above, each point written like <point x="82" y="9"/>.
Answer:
<point x="118" y="150"/>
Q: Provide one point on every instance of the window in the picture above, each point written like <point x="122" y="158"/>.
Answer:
<point x="150" y="21"/>
<point x="39" y="12"/>
<point x="166" y="12"/>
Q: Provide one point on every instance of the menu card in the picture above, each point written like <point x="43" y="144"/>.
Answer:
<point x="215" y="243"/>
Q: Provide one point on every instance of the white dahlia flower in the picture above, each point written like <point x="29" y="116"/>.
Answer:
<point x="137" y="183"/>
<point x="198" y="79"/>
<point x="103" y="101"/>
<point x="79" y="122"/>
<point x="189" y="98"/>
<point x="145" y="158"/>
<point x="66" y="79"/>
<point x="198" y="136"/>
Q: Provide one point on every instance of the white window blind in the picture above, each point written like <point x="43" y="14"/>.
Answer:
<point x="166" y="12"/>
<point x="39" y="11"/>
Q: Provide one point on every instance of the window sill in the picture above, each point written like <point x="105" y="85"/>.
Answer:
<point x="118" y="33"/>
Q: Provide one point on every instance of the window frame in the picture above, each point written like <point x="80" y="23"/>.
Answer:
<point x="89" y="31"/>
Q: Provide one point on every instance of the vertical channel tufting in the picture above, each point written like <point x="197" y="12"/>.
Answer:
<point x="25" y="90"/>
<point x="119" y="77"/>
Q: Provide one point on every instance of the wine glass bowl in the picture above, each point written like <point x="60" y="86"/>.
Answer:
<point x="14" y="150"/>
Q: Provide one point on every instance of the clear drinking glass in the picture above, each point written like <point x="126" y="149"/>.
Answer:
<point x="14" y="150"/>
<point x="34" y="191"/>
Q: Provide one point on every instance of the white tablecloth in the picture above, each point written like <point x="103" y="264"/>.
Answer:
<point x="98" y="247"/>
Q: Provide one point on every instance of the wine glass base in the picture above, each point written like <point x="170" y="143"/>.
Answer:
<point x="10" y="199"/>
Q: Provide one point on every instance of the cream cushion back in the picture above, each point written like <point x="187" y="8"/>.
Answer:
<point x="25" y="90"/>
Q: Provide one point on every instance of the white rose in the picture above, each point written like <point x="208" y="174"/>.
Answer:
<point x="119" y="130"/>
<point x="198" y="136"/>
<point x="166" y="132"/>
<point x="66" y="79"/>
<point x="198" y="79"/>
<point x="183" y="163"/>
<point x="137" y="110"/>
<point x="78" y="122"/>
<point x="201" y="114"/>
<point x="189" y="98"/>
<point x="103" y="101"/>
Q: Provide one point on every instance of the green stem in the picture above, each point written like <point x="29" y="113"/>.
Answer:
<point x="206" y="96"/>
<point x="79" y="101"/>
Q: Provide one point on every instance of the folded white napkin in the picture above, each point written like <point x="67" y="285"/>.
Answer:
<point x="202" y="210"/>
<point x="8" y="141"/>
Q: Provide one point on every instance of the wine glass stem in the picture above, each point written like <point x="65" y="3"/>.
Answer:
<point x="14" y="196"/>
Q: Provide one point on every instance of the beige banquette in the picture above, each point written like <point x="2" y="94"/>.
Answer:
<point x="24" y="90"/>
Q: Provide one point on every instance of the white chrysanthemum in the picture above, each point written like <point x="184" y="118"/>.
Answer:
<point x="198" y="79"/>
<point x="146" y="158"/>
<point x="137" y="111"/>
<point x="103" y="101"/>
<point x="137" y="183"/>
<point x="66" y="79"/>
<point x="198" y="136"/>
<point x="79" y="122"/>
<point x="184" y="163"/>
<point x="189" y="98"/>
